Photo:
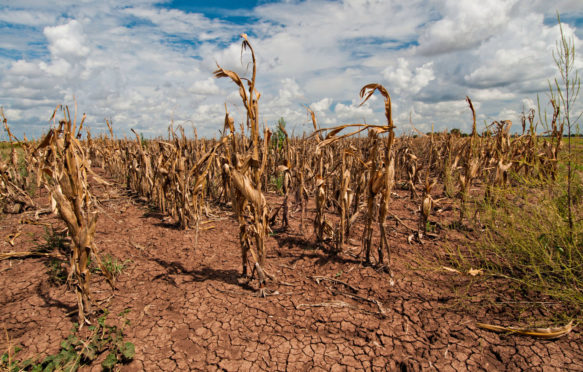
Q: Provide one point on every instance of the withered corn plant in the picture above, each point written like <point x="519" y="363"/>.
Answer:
<point x="427" y="202"/>
<point x="322" y="228"/>
<point x="374" y="186"/>
<point x="66" y="167"/>
<point x="199" y="173"/>
<point x="141" y="176"/>
<point x="450" y="165"/>
<point x="244" y="170"/>
<point x="471" y="165"/>
<point x="426" y="206"/>
<point x="303" y="172"/>
<point x="382" y="168"/>
<point x="551" y="148"/>
<point x="389" y="169"/>
<point x="344" y="199"/>
<point x="503" y="151"/>
<point x="285" y="171"/>
<point x="16" y="178"/>
<point x="412" y="172"/>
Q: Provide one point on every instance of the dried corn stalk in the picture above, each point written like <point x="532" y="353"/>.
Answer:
<point x="244" y="173"/>
<point x="549" y="333"/>
<point x="15" y="177"/>
<point x="389" y="169"/>
<point x="426" y="206"/>
<point x="285" y="170"/>
<point x="322" y="228"/>
<point x="427" y="201"/>
<point x="66" y="166"/>
<point x="382" y="170"/>
<point x="471" y="165"/>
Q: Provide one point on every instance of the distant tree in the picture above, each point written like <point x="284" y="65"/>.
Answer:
<point x="455" y="132"/>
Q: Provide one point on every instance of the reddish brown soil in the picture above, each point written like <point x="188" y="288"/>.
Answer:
<point x="190" y="311"/>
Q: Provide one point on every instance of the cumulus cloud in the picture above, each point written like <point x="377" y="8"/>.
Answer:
<point x="527" y="57"/>
<point x="322" y="105"/>
<point x="491" y="94"/>
<point x="464" y="24"/>
<point x="205" y="87"/>
<point x="67" y="40"/>
<point x="24" y="68"/>
<point x="407" y="81"/>
<point x="289" y="92"/>
<point x="144" y="64"/>
<point x="356" y="113"/>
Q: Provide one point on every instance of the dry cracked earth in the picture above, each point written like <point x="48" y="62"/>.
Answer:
<point x="189" y="310"/>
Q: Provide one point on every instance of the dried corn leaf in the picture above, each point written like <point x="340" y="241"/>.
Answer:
<point x="546" y="333"/>
<point x="18" y="255"/>
<point x="245" y="187"/>
<point x="282" y="168"/>
<point x="474" y="272"/>
<point x="451" y="269"/>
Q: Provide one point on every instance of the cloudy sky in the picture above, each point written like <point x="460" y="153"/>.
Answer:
<point x="146" y="63"/>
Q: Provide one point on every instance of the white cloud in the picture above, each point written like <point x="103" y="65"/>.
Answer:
<point x="205" y="87"/>
<point x="510" y="114"/>
<point x="67" y="40"/>
<point x="528" y="104"/>
<point x="144" y="64"/>
<point x="457" y="113"/>
<point x="289" y="91"/>
<point x="406" y="81"/>
<point x="356" y="113"/>
<point x="464" y="24"/>
<point x="525" y="57"/>
<point x="491" y="94"/>
<point x="58" y="68"/>
<point x="322" y="105"/>
<point x="24" y="68"/>
<point x="13" y="114"/>
<point x="173" y="22"/>
<point x="27" y="18"/>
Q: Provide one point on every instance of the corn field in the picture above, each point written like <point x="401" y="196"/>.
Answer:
<point x="346" y="175"/>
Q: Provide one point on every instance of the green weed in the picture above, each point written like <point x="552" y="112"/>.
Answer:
<point x="56" y="271"/>
<point x="526" y="238"/>
<point x="77" y="352"/>
<point x="277" y="183"/>
<point x="54" y="241"/>
<point x="56" y="268"/>
<point x="111" y="264"/>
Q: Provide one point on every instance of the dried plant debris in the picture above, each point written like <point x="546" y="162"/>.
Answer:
<point x="546" y="333"/>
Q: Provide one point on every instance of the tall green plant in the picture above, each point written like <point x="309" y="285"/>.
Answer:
<point x="278" y="138"/>
<point x="566" y="89"/>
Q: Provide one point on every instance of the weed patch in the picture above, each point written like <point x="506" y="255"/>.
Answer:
<point x="77" y="351"/>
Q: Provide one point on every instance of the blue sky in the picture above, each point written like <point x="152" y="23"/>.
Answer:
<point x="146" y="63"/>
<point x="215" y="9"/>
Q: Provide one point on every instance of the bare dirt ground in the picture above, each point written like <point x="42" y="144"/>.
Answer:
<point x="190" y="311"/>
